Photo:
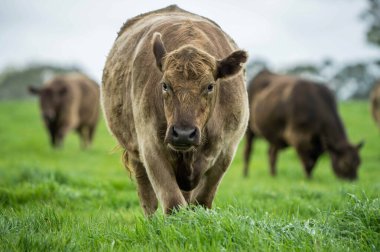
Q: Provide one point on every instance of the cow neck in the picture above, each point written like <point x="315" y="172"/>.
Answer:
<point x="188" y="169"/>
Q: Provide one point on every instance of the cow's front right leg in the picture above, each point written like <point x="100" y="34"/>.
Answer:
<point x="163" y="180"/>
<point x="148" y="199"/>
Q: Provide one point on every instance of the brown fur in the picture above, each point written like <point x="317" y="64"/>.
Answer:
<point x="69" y="102"/>
<point x="289" y="111"/>
<point x="166" y="72"/>
<point x="375" y="103"/>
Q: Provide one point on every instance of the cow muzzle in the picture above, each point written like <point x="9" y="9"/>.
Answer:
<point x="183" y="138"/>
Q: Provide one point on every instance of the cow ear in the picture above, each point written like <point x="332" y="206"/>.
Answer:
<point x="360" y="145"/>
<point x="34" y="90"/>
<point x="231" y="65"/>
<point x="158" y="49"/>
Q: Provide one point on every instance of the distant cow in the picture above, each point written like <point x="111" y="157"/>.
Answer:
<point x="69" y="102"/>
<point x="375" y="103"/>
<point x="289" y="111"/>
<point x="174" y="97"/>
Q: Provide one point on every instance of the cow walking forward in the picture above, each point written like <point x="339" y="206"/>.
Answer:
<point x="69" y="102"/>
<point x="173" y="95"/>
<point x="289" y="111"/>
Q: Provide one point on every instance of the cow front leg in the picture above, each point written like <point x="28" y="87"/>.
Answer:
<point x="249" y="136"/>
<point x="187" y="196"/>
<point x="60" y="134"/>
<point x="272" y="153"/>
<point x="205" y="192"/>
<point x="148" y="199"/>
<point x="163" y="180"/>
<point x="307" y="160"/>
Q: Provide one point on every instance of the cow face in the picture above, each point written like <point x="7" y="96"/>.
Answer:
<point x="52" y="99"/>
<point x="189" y="87"/>
<point x="346" y="162"/>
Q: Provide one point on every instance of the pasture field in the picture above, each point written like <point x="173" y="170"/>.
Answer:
<point x="76" y="200"/>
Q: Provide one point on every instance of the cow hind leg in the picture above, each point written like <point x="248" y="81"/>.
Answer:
<point x="84" y="134"/>
<point x="249" y="136"/>
<point x="148" y="199"/>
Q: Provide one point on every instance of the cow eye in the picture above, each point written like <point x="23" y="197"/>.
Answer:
<point x="165" y="87"/>
<point x="210" y="88"/>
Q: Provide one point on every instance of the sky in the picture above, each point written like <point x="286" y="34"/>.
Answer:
<point x="282" y="32"/>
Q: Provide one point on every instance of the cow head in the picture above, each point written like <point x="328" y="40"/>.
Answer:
<point x="346" y="161"/>
<point x="189" y="87"/>
<point x="52" y="99"/>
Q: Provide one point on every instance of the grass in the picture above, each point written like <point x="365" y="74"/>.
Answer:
<point x="85" y="200"/>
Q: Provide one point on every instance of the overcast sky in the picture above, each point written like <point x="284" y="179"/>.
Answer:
<point x="283" y="32"/>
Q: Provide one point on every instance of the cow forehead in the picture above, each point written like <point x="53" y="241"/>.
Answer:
<point x="178" y="79"/>
<point x="189" y="63"/>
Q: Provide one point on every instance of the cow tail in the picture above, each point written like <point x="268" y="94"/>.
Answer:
<point x="126" y="163"/>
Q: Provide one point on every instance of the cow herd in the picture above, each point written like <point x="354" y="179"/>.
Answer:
<point x="174" y="96"/>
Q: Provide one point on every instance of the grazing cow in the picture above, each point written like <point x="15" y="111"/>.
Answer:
<point x="375" y="103"/>
<point x="173" y="95"/>
<point x="289" y="111"/>
<point x="69" y="102"/>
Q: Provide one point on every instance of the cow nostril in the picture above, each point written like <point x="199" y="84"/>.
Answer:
<point x="193" y="134"/>
<point x="174" y="132"/>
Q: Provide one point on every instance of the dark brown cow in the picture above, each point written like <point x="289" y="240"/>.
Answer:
<point x="69" y="102"/>
<point x="174" y="97"/>
<point x="375" y="103"/>
<point x="289" y="111"/>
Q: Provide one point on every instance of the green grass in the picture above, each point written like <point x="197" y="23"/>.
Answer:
<point x="85" y="200"/>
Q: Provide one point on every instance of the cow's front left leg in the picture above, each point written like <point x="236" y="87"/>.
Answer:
<point x="187" y="196"/>
<point x="205" y="192"/>
<point x="60" y="134"/>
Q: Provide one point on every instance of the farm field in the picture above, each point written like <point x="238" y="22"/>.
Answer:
<point x="77" y="200"/>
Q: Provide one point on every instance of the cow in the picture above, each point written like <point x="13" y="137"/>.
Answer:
<point x="289" y="111"/>
<point x="69" y="102"/>
<point x="375" y="103"/>
<point x="173" y="95"/>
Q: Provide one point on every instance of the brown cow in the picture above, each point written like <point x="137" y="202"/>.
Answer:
<point x="174" y="97"/>
<point x="69" y="102"/>
<point x="375" y="103"/>
<point x="289" y="111"/>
